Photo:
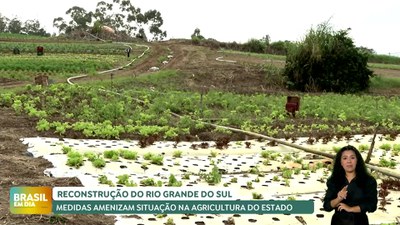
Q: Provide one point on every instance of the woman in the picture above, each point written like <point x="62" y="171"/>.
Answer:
<point x="352" y="191"/>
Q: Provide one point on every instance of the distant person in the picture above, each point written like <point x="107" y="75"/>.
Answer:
<point x="352" y="191"/>
<point x="128" y="51"/>
<point x="16" y="51"/>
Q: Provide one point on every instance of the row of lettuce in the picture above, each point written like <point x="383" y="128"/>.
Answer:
<point x="96" y="113"/>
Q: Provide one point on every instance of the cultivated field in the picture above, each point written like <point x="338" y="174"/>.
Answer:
<point x="170" y="111"/>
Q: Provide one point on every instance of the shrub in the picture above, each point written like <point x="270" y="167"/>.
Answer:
<point x="327" y="61"/>
<point x="254" y="45"/>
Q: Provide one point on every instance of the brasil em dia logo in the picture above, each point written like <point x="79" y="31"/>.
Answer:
<point x="31" y="200"/>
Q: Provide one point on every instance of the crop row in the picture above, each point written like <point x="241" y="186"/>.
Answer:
<point x="77" y="48"/>
<point x="60" y="63"/>
<point x="109" y="115"/>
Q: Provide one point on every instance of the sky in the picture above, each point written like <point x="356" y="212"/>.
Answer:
<point x="374" y="24"/>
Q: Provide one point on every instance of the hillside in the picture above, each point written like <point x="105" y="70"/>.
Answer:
<point x="203" y="67"/>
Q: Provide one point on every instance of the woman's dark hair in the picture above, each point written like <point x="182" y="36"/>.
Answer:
<point x="339" y="175"/>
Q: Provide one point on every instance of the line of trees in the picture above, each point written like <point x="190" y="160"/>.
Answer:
<point x="120" y="15"/>
<point x="126" y="19"/>
<point x="16" y="26"/>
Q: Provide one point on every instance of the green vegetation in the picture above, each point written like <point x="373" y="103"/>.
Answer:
<point x="387" y="163"/>
<point x="135" y="110"/>
<point x="99" y="162"/>
<point x="170" y="221"/>
<point x="127" y="154"/>
<point x="54" y="47"/>
<point x="177" y="154"/>
<point x="173" y="182"/>
<point x="259" y="55"/>
<point x="151" y="182"/>
<point x="385" y="146"/>
<point x="327" y="61"/>
<point x="379" y="82"/>
<point x="104" y="180"/>
<point x="384" y="59"/>
<point x="66" y="149"/>
<point x="111" y="154"/>
<point x="287" y="173"/>
<point x="141" y="107"/>
<point x="257" y="195"/>
<point x="156" y="159"/>
<point x="214" y="177"/>
<point x="123" y="179"/>
<point x="61" y="59"/>
<point x="75" y="159"/>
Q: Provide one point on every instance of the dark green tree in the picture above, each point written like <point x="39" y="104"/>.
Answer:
<point x="15" y="26"/>
<point x="33" y="27"/>
<point x="327" y="61"/>
<point x="279" y="47"/>
<point x="3" y="23"/>
<point x="120" y="15"/>
<point x="254" y="45"/>
<point x="81" y="19"/>
<point x="61" y="25"/>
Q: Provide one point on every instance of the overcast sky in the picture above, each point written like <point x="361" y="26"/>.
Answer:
<point x="374" y="24"/>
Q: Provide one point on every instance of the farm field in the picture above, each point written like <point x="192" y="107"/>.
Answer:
<point x="190" y="82"/>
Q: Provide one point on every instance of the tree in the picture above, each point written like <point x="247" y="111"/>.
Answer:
<point x="136" y="23"/>
<point x="196" y="36"/>
<point x="327" y="61"/>
<point x="61" y="25"/>
<point x="267" y="40"/>
<point x="155" y="21"/>
<point x="279" y="47"/>
<point x="196" y="33"/>
<point x="15" y="26"/>
<point x="254" y="45"/>
<point x="3" y="23"/>
<point x="120" y="15"/>
<point x="33" y="27"/>
<point x="81" y="19"/>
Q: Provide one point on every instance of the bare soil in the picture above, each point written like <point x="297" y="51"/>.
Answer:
<point x="200" y="70"/>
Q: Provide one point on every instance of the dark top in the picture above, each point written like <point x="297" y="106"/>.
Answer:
<point x="362" y="193"/>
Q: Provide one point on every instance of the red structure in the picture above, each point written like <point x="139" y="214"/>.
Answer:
<point x="292" y="105"/>
<point x="40" y="50"/>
